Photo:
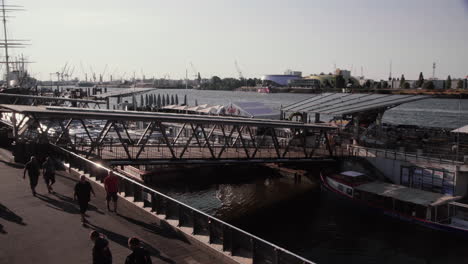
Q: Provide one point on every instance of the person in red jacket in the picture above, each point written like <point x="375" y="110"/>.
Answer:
<point x="111" y="184"/>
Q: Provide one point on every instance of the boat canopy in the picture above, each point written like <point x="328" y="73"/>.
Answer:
<point x="406" y="194"/>
<point x="352" y="174"/>
<point x="462" y="130"/>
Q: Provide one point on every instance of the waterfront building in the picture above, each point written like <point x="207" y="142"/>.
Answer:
<point x="281" y="79"/>
<point x="330" y="78"/>
<point x="305" y="82"/>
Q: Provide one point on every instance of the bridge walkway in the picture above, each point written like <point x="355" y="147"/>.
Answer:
<point x="47" y="228"/>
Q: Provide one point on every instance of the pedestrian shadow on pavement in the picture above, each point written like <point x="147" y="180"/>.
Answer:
<point x="167" y="232"/>
<point x="71" y="201"/>
<point x="9" y="215"/>
<point x="2" y="231"/>
<point x="123" y="241"/>
<point x="65" y="203"/>
<point x="59" y="205"/>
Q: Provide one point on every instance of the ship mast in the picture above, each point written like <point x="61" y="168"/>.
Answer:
<point x="6" y="46"/>
<point x="6" y="43"/>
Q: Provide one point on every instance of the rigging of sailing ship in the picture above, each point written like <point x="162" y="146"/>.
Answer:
<point x="16" y="78"/>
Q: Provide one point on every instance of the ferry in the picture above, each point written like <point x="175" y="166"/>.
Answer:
<point x="263" y="90"/>
<point x="432" y="210"/>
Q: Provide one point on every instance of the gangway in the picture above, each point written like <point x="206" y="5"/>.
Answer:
<point x="167" y="137"/>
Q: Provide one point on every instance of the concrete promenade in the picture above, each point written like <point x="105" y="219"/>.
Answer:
<point x="47" y="228"/>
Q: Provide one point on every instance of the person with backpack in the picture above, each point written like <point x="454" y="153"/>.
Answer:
<point x="139" y="255"/>
<point x="48" y="171"/>
<point x="101" y="252"/>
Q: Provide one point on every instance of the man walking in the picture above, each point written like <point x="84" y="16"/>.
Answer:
<point x="33" y="169"/>
<point x="83" y="190"/>
<point x="139" y="254"/>
<point x="48" y="171"/>
<point x="101" y="251"/>
<point x="111" y="184"/>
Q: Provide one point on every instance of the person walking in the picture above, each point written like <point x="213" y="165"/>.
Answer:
<point x="139" y="255"/>
<point x="48" y="171"/>
<point x="111" y="184"/>
<point x="83" y="190"/>
<point x="101" y="252"/>
<point x="33" y="169"/>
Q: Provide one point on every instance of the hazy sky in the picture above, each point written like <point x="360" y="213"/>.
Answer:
<point x="264" y="36"/>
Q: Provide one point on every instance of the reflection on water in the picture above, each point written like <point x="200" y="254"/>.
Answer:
<point x="316" y="225"/>
<point x="229" y="201"/>
<point x="326" y="230"/>
<point x="450" y="113"/>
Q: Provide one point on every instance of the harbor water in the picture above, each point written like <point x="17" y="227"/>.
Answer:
<point x="433" y="112"/>
<point x="301" y="218"/>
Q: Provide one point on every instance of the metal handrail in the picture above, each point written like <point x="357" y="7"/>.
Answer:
<point x="275" y="247"/>
<point x="403" y="153"/>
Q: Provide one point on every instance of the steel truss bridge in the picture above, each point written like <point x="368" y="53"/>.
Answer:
<point x="133" y="138"/>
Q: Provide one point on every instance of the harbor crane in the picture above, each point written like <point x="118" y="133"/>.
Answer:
<point x="239" y="72"/>
<point x="83" y="71"/>
<point x="101" y="76"/>
<point x="61" y="73"/>
<point x="196" y="74"/>
<point x="113" y="73"/>
<point x="93" y="73"/>
<point x="68" y="75"/>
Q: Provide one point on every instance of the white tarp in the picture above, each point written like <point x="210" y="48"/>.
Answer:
<point x="463" y="130"/>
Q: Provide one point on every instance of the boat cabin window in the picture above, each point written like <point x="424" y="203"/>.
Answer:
<point x="440" y="214"/>
<point x="410" y="209"/>
<point x="459" y="212"/>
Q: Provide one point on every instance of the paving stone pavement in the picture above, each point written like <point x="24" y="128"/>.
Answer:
<point x="47" y="228"/>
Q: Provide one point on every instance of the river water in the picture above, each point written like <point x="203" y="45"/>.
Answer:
<point x="300" y="218"/>
<point x="448" y="113"/>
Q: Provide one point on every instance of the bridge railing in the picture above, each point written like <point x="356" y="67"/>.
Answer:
<point x="113" y="149"/>
<point x="402" y="155"/>
<point x="220" y="234"/>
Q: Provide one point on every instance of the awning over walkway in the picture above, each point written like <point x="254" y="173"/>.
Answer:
<point x="337" y="104"/>
<point x="60" y="113"/>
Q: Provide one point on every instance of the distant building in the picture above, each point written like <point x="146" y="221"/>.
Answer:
<point x="345" y="73"/>
<point x="329" y="79"/>
<point x="438" y="84"/>
<point x="305" y="82"/>
<point x="281" y="79"/>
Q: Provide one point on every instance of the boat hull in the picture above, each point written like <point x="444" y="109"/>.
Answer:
<point x="370" y="208"/>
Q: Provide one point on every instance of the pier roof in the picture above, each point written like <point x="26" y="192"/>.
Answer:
<point x="337" y="104"/>
<point x="47" y="112"/>
<point x="406" y="194"/>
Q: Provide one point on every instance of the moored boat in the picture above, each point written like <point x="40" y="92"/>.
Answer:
<point x="429" y="209"/>
<point x="263" y="90"/>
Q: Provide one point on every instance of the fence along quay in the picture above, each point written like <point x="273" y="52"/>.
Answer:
<point x="219" y="235"/>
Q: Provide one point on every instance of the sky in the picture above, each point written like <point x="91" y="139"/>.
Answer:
<point x="163" y="38"/>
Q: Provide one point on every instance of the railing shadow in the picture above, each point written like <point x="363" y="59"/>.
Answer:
<point x="123" y="241"/>
<point x="153" y="228"/>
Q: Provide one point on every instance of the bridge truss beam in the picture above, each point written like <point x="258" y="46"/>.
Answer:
<point x="182" y="140"/>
